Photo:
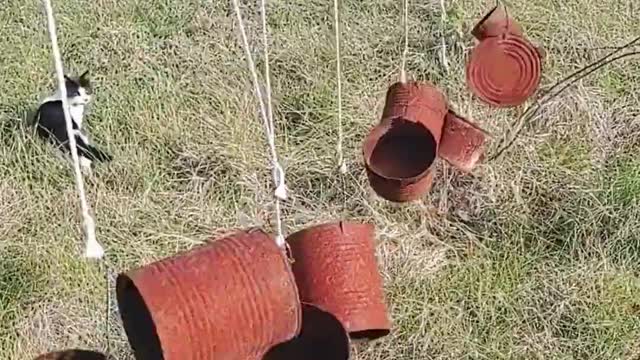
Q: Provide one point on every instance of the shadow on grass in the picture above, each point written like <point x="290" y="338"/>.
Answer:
<point x="16" y="119"/>
<point x="20" y="277"/>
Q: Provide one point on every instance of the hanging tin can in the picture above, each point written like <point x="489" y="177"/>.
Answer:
<point x="233" y="298"/>
<point x="462" y="142"/>
<point x="399" y="152"/>
<point x="336" y="269"/>
<point x="496" y="22"/>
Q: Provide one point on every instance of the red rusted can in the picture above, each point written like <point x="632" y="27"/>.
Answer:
<point x="496" y="22"/>
<point x="398" y="157"/>
<point x="336" y="269"/>
<point x="462" y="142"/>
<point x="322" y="338"/>
<point x="73" y="354"/>
<point x="416" y="102"/>
<point x="233" y="298"/>
<point x="400" y="151"/>
<point x="504" y="71"/>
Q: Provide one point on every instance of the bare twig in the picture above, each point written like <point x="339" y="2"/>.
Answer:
<point x="566" y="82"/>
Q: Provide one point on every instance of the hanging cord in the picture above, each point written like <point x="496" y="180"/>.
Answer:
<point x="336" y="18"/>
<point x="107" y="301"/>
<point x="278" y="171"/>
<point x="93" y="249"/>
<point x="405" y="52"/>
<point x="443" y="49"/>
<point x="265" y="41"/>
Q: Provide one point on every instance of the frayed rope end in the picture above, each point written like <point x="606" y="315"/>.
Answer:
<point x="280" y="241"/>
<point x="93" y="249"/>
<point x="281" y="192"/>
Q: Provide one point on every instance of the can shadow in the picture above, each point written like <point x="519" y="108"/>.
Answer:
<point x="73" y="354"/>
<point x="322" y="337"/>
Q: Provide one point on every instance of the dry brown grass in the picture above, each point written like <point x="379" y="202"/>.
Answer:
<point x="533" y="256"/>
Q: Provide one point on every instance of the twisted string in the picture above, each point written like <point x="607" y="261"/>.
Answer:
<point x="443" y="49"/>
<point x="266" y="113"/>
<point x="405" y="52"/>
<point x="93" y="249"/>
<point x="336" y="16"/>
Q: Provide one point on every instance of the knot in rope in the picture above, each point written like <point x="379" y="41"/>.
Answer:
<point x="278" y="179"/>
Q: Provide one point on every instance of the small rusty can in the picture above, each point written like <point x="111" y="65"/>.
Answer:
<point x="398" y="159"/>
<point x="504" y="71"/>
<point x="336" y="269"/>
<point x="462" y="142"/>
<point x="416" y="102"/>
<point x="496" y="22"/>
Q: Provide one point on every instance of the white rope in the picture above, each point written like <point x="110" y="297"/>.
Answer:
<point x="336" y="17"/>
<point x="405" y="52"/>
<point x="443" y="49"/>
<point x="278" y="171"/>
<point x="265" y="41"/>
<point x="93" y="249"/>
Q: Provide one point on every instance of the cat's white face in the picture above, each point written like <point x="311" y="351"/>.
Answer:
<point x="81" y="98"/>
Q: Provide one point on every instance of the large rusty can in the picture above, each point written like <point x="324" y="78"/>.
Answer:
<point x="232" y="299"/>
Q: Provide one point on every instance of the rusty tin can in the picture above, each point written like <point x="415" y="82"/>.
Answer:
<point x="504" y="71"/>
<point x="496" y="22"/>
<point x="232" y="298"/>
<point x="462" y="142"/>
<point x="336" y="269"/>
<point x="399" y="152"/>
<point x="416" y="102"/>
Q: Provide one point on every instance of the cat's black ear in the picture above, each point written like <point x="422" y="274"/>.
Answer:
<point x="68" y="78"/>
<point x="84" y="78"/>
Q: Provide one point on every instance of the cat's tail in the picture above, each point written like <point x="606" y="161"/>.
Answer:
<point x="91" y="152"/>
<point x="94" y="154"/>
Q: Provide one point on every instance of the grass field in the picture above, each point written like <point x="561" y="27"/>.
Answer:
<point x="533" y="256"/>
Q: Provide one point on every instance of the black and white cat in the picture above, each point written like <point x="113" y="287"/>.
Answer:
<point x="50" y="123"/>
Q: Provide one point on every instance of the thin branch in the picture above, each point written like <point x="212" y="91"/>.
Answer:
<point x="567" y="81"/>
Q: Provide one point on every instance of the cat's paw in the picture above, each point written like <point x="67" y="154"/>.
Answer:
<point x="85" y="166"/>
